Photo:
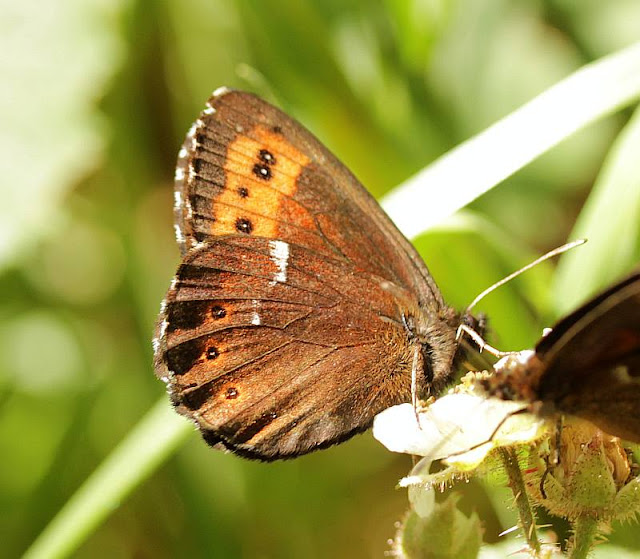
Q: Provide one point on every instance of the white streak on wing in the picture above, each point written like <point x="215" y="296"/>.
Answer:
<point x="182" y="153"/>
<point x="255" y="317"/>
<point x="179" y="174"/>
<point x="179" y="235"/>
<point x="177" y="196"/>
<point x="279" y="251"/>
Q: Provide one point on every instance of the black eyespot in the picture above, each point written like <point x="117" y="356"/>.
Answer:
<point x="212" y="353"/>
<point x="218" y="312"/>
<point x="262" y="171"/>
<point x="277" y="129"/>
<point x="266" y="157"/>
<point x="243" y="192"/>
<point x="244" y="225"/>
<point x="231" y="393"/>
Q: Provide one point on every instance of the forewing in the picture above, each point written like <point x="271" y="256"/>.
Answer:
<point x="246" y="167"/>
<point x="592" y="360"/>
<point x="275" y="352"/>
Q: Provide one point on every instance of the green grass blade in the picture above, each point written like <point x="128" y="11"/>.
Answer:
<point x="155" y="437"/>
<point x="477" y="165"/>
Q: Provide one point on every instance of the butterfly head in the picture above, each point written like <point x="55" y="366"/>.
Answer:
<point x="440" y="352"/>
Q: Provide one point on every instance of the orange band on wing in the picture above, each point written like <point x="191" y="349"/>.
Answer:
<point x="261" y="169"/>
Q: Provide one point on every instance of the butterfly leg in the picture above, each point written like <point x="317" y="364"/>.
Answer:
<point x="482" y="344"/>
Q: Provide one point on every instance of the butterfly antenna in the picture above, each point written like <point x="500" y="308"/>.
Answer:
<point x="547" y="256"/>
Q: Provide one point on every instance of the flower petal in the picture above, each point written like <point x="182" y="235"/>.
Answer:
<point x="460" y="427"/>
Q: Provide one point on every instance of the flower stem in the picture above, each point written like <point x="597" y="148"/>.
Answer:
<point x="525" y="512"/>
<point x="585" y="530"/>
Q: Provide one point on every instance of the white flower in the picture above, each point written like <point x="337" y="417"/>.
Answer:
<point x="460" y="428"/>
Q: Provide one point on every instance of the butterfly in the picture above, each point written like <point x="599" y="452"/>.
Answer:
<point x="588" y="365"/>
<point x="299" y="311"/>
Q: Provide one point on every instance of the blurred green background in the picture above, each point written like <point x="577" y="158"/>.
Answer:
<point x="96" y="98"/>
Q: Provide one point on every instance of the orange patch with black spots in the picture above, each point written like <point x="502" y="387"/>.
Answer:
<point x="261" y="170"/>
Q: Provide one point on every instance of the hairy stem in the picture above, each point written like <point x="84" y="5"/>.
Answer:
<point x="585" y="530"/>
<point x="525" y="512"/>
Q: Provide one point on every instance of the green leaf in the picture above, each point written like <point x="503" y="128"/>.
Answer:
<point x="610" y="220"/>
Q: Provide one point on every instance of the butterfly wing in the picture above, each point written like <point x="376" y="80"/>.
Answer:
<point x="285" y="329"/>
<point x="592" y="361"/>
<point x="276" y="368"/>
<point x="246" y="167"/>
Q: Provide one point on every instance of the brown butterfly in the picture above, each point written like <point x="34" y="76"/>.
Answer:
<point x="299" y="311"/>
<point x="588" y="365"/>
